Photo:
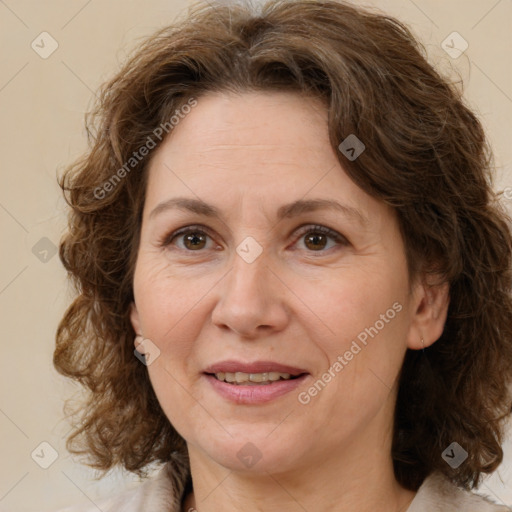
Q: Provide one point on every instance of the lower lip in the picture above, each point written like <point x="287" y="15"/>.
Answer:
<point x="242" y="394"/>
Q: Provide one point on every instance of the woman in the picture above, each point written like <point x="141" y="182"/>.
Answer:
<point x="288" y="215"/>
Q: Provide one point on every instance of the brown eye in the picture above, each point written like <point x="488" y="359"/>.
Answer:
<point x="315" y="241"/>
<point x="316" y="238"/>
<point x="192" y="239"/>
<point x="195" y="240"/>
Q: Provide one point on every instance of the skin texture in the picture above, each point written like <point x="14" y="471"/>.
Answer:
<point x="301" y="302"/>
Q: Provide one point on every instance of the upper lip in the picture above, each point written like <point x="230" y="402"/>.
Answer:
<point x="233" y="366"/>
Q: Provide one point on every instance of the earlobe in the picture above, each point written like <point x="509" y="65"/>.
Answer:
<point x="138" y="341"/>
<point x="135" y="320"/>
<point x="431" y="311"/>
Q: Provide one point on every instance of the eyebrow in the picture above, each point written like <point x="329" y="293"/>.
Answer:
<point x="290" y="210"/>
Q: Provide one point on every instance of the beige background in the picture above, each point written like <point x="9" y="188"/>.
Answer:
<point x="42" y="102"/>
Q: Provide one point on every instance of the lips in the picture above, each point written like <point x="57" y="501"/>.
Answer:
<point x="233" y="366"/>
<point x="254" y="393"/>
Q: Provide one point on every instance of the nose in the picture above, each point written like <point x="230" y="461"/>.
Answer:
<point x="251" y="300"/>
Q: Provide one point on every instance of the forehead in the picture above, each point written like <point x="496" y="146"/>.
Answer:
<point x="264" y="147"/>
<point x="276" y="127"/>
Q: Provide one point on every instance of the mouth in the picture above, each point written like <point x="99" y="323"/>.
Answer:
<point x="253" y="383"/>
<point x="253" y="379"/>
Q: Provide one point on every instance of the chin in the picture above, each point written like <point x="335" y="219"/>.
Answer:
<point x="256" y="454"/>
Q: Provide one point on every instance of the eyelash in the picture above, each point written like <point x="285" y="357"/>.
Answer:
<point x="304" y="230"/>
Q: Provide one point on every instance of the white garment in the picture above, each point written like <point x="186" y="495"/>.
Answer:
<point x="157" y="494"/>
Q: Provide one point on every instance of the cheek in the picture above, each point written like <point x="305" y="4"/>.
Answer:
<point x="163" y="298"/>
<point x="165" y="306"/>
<point x="363" y="328"/>
<point x="353" y="299"/>
<point x="179" y="405"/>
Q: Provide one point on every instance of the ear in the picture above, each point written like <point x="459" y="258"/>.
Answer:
<point x="430" y="303"/>
<point x="135" y="320"/>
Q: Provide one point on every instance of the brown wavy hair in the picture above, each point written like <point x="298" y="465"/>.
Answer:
<point x="426" y="156"/>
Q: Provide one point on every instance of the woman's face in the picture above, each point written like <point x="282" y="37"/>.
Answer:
<point x="270" y="283"/>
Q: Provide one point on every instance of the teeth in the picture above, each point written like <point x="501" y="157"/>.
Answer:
<point x="249" y="378"/>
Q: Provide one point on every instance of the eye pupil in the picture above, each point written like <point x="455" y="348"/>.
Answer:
<point x="195" y="239"/>
<point x="314" y="238"/>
